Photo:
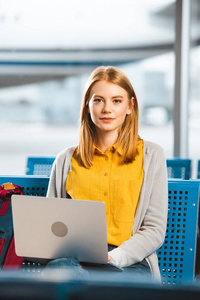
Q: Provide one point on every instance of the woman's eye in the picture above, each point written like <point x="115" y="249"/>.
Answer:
<point x="97" y="100"/>
<point x="117" y="101"/>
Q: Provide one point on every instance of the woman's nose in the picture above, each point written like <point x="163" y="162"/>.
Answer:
<point x="106" y="107"/>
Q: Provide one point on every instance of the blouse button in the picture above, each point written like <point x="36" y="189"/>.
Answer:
<point x="106" y="174"/>
<point x="106" y="158"/>
<point x="105" y="194"/>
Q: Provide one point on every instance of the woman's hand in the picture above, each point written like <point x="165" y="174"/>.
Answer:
<point x="109" y="259"/>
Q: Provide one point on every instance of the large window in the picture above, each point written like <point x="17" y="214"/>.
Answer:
<point x="46" y="56"/>
<point x="194" y="96"/>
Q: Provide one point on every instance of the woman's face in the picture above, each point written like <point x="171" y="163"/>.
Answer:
<point x="108" y="106"/>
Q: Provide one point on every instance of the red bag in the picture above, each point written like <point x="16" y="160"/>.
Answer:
<point x="8" y="257"/>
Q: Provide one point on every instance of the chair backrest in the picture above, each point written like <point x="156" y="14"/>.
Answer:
<point x="33" y="185"/>
<point x="177" y="255"/>
<point x="198" y="169"/>
<point x="39" y="165"/>
<point x="179" y="168"/>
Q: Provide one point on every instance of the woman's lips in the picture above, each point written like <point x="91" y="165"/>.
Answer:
<point x="107" y="120"/>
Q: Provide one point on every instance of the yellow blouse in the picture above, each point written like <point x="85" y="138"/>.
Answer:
<point x="112" y="181"/>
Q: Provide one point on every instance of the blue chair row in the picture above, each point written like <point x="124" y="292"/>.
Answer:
<point x="39" y="165"/>
<point x="198" y="168"/>
<point x="177" y="254"/>
<point x="32" y="185"/>
<point x="179" y="168"/>
<point x="176" y="167"/>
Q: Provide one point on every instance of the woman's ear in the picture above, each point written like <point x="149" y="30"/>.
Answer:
<point x="131" y="105"/>
<point x="132" y="101"/>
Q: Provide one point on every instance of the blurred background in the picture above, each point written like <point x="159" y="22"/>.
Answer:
<point x="49" y="48"/>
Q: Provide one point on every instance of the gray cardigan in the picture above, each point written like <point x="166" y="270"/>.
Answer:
<point x="151" y="214"/>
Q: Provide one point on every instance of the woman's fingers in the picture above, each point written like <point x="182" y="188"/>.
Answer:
<point x="109" y="259"/>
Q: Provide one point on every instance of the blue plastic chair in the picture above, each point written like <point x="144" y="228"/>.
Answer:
<point x="177" y="255"/>
<point x="179" y="168"/>
<point x="198" y="169"/>
<point x="32" y="185"/>
<point x="39" y="165"/>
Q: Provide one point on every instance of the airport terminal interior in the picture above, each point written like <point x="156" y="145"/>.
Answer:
<point x="46" y="55"/>
<point x="48" y="48"/>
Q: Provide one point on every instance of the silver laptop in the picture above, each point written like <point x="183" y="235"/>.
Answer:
<point x="50" y="228"/>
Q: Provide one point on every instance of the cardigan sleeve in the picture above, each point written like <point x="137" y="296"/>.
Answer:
<point x="52" y="189"/>
<point x="58" y="177"/>
<point x="150" y="232"/>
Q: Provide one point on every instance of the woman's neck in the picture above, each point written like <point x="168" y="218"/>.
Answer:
<point x="103" y="142"/>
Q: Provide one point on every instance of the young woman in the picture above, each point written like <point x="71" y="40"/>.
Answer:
<point x="113" y="164"/>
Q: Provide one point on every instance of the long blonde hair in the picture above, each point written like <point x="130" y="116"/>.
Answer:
<point x="128" y="135"/>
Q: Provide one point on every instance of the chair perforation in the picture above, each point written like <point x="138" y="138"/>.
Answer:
<point x="173" y="254"/>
